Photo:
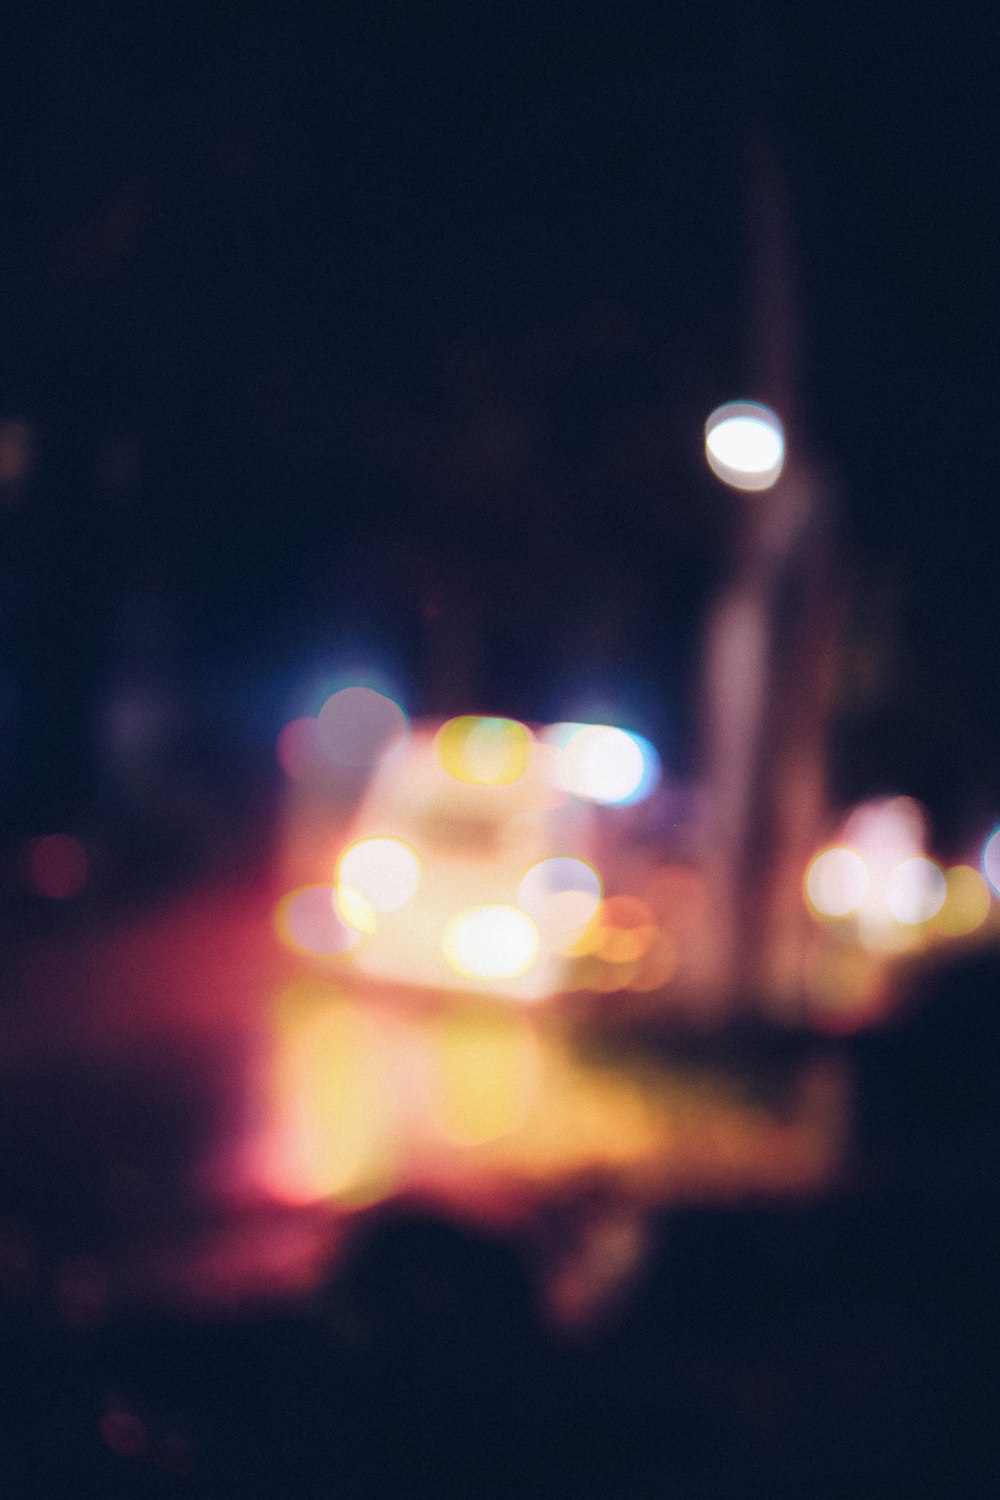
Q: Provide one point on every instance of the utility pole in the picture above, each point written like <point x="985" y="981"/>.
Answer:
<point x="769" y="664"/>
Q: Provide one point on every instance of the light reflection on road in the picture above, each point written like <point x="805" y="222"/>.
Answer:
<point x="329" y="1097"/>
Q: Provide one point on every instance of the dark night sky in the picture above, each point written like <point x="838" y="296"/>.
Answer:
<point x="317" y="311"/>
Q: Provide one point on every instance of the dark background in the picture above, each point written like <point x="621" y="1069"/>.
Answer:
<point x="330" y="330"/>
<point x="324" y="319"/>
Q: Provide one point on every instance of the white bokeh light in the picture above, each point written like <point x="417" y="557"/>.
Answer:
<point x="602" y="764"/>
<point x="745" y="445"/>
<point x="562" y="895"/>
<point x="991" y="860"/>
<point x="491" y="942"/>
<point x="385" y="871"/>
<point x="357" y="727"/>
<point x="915" y="891"/>
<point x="837" y="882"/>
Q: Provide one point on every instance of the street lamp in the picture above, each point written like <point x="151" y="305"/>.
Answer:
<point x="745" y="445"/>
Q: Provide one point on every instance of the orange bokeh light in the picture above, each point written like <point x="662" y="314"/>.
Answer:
<point x="626" y="930"/>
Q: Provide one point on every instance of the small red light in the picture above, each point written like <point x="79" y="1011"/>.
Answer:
<point x="57" y="866"/>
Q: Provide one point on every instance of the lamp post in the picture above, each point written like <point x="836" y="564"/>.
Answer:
<point x="769" y="656"/>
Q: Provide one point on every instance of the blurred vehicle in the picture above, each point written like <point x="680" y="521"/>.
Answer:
<point x="467" y="855"/>
<point x="469" y="862"/>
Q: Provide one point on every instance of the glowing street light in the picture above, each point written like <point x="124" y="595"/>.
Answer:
<point x="745" y="445"/>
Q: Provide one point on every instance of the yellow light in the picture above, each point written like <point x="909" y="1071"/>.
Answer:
<point x="623" y="945"/>
<point x="745" y="445"/>
<point x="305" y="921"/>
<point x="484" y="752"/>
<point x="605" y="765"/>
<point x="386" y="872"/>
<point x="491" y="942"/>
<point x="489" y="1066"/>
<point x="915" y="891"/>
<point x="845" y="990"/>
<point x="357" y="727"/>
<point x="967" y="902"/>
<point x="607" y="978"/>
<point x="331" y="1128"/>
<point x="355" y="909"/>
<point x="562" y="895"/>
<point x="837" y="882"/>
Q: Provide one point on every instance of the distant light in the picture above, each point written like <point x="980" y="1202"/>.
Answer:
<point x="357" y="727"/>
<point x="307" y="922"/>
<point x="386" y="871"/>
<point x="81" y="1288"/>
<point x="485" y="752"/>
<point x="845" y="990"/>
<point x="837" y="882"/>
<point x="745" y="445"/>
<point x="966" y="904"/>
<point x="123" y="1432"/>
<point x="298" y="751"/>
<point x="57" y="866"/>
<point x="991" y="860"/>
<point x="915" y="891"/>
<point x="16" y="449"/>
<point x="886" y="830"/>
<point x="601" y="764"/>
<point x="627" y="930"/>
<point x="562" y="894"/>
<point x="491" y="942"/>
